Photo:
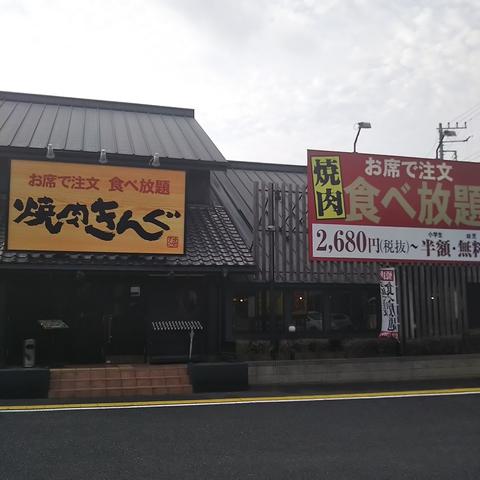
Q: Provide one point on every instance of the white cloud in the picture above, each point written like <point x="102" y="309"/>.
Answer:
<point x="267" y="78"/>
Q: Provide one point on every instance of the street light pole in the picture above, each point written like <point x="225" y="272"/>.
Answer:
<point x="360" y="125"/>
<point x="441" y="135"/>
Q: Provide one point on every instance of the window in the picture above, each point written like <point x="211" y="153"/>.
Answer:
<point x="307" y="311"/>
<point x="334" y="309"/>
<point x="251" y="311"/>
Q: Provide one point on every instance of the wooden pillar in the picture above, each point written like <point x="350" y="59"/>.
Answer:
<point x="215" y="291"/>
<point x="3" y="323"/>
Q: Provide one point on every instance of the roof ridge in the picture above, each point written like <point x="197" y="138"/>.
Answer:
<point x="91" y="103"/>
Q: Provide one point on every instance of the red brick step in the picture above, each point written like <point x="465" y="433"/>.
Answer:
<point x="119" y="381"/>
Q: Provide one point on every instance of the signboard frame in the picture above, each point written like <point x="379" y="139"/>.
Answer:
<point x="83" y="208"/>
<point x="378" y="208"/>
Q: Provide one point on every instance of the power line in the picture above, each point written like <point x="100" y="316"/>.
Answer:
<point x="475" y="116"/>
<point x="474" y="158"/>
<point x="474" y="155"/>
<point x="467" y="112"/>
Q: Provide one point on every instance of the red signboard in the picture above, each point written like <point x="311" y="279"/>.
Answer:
<point x="384" y="208"/>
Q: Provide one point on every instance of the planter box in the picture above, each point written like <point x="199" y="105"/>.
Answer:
<point x="219" y="377"/>
<point x="363" y="370"/>
<point x="24" y="383"/>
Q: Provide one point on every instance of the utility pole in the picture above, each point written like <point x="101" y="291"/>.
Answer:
<point x="448" y="132"/>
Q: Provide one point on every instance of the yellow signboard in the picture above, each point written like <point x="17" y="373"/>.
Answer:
<point x="94" y="208"/>
<point x="327" y="187"/>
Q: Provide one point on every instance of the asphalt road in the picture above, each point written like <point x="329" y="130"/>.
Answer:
<point x="423" y="437"/>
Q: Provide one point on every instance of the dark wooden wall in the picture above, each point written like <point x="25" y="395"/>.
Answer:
<point x="432" y="297"/>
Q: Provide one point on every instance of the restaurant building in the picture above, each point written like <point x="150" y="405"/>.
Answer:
<point x="126" y="237"/>
<point x="111" y="250"/>
<point x="322" y="235"/>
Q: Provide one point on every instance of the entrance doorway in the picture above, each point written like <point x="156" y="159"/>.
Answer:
<point x="125" y="325"/>
<point x="104" y="318"/>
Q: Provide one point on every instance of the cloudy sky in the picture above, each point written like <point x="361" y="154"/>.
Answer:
<point x="268" y="79"/>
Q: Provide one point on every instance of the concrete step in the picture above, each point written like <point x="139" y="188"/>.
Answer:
<point x="119" y="381"/>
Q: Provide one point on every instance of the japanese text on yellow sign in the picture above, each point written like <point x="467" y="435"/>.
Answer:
<point x="85" y="208"/>
<point x="327" y="188"/>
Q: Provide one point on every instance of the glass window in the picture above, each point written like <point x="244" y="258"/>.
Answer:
<point x="342" y="309"/>
<point x="315" y="311"/>
<point x="354" y="309"/>
<point x="251" y="311"/>
<point x="307" y="311"/>
<point x="368" y="317"/>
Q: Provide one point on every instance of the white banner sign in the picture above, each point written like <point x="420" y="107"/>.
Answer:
<point x="388" y="295"/>
<point x="360" y="242"/>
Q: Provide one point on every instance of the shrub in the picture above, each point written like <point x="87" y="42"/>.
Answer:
<point x="370" y="347"/>
<point x="448" y="345"/>
<point x="303" y="349"/>
<point x="258" y="350"/>
<point x="253" y="350"/>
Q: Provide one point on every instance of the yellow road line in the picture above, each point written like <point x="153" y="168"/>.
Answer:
<point x="239" y="400"/>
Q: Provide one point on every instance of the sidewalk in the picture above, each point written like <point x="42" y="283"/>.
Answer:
<point x="265" y="392"/>
<point x="242" y="379"/>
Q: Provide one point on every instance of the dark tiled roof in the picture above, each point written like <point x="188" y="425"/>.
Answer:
<point x="211" y="241"/>
<point x="74" y="125"/>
